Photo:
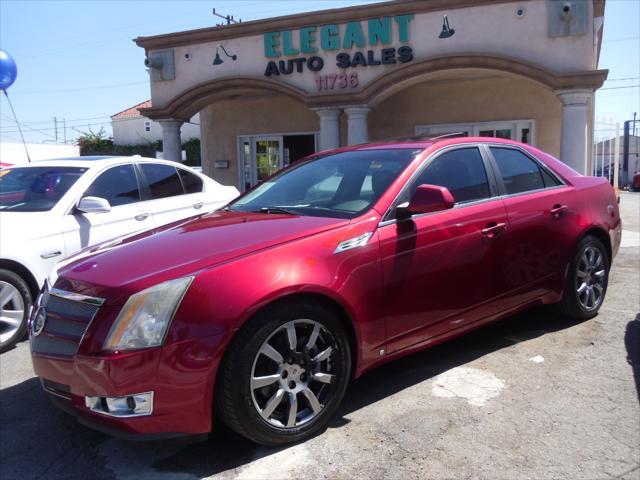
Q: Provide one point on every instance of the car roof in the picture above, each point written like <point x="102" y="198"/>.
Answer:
<point x="99" y="161"/>
<point x="417" y="143"/>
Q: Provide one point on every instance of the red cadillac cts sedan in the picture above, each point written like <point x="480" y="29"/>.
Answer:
<point x="261" y="313"/>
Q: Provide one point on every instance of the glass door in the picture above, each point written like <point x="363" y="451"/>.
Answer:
<point x="261" y="157"/>
<point x="268" y="156"/>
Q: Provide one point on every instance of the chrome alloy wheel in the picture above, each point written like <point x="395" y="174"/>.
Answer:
<point x="291" y="377"/>
<point x="591" y="278"/>
<point x="11" y="311"/>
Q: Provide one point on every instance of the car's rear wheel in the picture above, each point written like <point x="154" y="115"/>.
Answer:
<point x="587" y="280"/>
<point x="15" y="302"/>
<point x="285" y="374"/>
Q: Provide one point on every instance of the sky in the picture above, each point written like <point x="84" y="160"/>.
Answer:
<point x="77" y="61"/>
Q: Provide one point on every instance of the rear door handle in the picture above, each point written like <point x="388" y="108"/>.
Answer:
<point x="52" y="254"/>
<point x="493" y="229"/>
<point x="142" y="216"/>
<point x="198" y="205"/>
<point x="558" y="210"/>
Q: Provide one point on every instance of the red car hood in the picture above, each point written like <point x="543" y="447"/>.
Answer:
<point x="117" y="269"/>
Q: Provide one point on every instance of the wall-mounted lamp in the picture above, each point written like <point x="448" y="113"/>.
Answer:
<point x="218" y="60"/>
<point x="446" y="30"/>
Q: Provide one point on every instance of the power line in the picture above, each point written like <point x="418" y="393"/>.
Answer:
<point x="43" y="122"/>
<point x="82" y="89"/>
<point x="43" y="130"/>
<point x="133" y="25"/>
<point x="621" y="79"/>
<point x="624" y="39"/>
<point x="618" y="88"/>
<point x="28" y="128"/>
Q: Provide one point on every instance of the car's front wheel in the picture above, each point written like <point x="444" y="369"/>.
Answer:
<point x="587" y="280"/>
<point x="15" y="301"/>
<point x="285" y="374"/>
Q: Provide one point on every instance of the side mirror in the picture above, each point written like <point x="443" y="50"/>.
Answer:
<point x="93" y="205"/>
<point x="426" y="199"/>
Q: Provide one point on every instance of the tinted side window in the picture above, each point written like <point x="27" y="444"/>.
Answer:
<point x="519" y="173"/>
<point x="118" y="185"/>
<point x="549" y="181"/>
<point x="163" y="180"/>
<point x="192" y="183"/>
<point x="461" y="171"/>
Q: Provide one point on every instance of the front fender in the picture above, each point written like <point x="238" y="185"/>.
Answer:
<point x="221" y="300"/>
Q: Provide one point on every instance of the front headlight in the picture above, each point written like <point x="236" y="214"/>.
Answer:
<point x="145" y="318"/>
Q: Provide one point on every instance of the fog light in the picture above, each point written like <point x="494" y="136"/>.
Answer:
<point x="135" y="405"/>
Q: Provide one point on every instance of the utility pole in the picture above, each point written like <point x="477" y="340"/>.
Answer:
<point x="64" y="129"/>
<point x="625" y="149"/>
<point x="55" y="127"/>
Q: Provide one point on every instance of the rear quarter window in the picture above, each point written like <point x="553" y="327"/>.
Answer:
<point x="191" y="182"/>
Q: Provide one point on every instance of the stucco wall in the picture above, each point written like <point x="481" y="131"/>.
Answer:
<point x="130" y="131"/>
<point x="223" y="122"/>
<point x="495" y="98"/>
<point x="467" y="101"/>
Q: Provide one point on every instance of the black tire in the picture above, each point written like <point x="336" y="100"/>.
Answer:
<point x="571" y="305"/>
<point x="16" y="281"/>
<point x="234" y="397"/>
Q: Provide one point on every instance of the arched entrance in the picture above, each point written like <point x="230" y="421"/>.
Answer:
<point x="485" y="94"/>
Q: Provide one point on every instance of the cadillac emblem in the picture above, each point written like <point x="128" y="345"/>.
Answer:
<point x="39" y="320"/>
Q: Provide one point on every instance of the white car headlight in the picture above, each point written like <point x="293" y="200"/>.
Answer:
<point x="145" y="318"/>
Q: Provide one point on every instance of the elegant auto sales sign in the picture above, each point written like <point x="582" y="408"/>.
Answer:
<point x="377" y="41"/>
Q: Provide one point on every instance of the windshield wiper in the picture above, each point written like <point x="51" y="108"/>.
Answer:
<point x="276" y="209"/>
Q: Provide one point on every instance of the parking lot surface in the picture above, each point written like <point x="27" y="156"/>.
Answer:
<point x="534" y="396"/>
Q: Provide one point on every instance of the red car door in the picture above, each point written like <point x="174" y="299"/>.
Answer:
<point x="442" y="271"/>
<point x="541" y="230"/>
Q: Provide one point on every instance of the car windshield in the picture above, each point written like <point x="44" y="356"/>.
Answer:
<point x="341" y="185"/>
<point x="35" y="189"/>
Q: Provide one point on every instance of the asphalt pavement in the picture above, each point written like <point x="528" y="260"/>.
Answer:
<point x="534" y="396"/>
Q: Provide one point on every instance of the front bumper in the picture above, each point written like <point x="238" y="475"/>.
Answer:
<point x="181" y="377"/>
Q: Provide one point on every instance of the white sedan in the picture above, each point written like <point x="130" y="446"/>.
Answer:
<point x="52" y="209"/>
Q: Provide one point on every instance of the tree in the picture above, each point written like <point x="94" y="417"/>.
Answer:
<point x="92" y="143"/>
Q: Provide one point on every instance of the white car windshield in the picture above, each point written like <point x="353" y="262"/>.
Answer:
<point x="35" y="189"/>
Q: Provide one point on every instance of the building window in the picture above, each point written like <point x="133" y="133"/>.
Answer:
<point x="147" y="126"/>
<point x="520" y="130"/>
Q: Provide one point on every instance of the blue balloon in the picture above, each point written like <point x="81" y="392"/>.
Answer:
<point x="8" y="70"/>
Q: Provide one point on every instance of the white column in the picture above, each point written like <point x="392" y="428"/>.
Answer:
<point x="171" y="144"/>
<point x="573" y="143"/>
<point x="358" y="125"/>
<point x="329" y="127"/>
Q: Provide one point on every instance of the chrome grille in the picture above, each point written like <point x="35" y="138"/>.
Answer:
<point x="68" y="316"/>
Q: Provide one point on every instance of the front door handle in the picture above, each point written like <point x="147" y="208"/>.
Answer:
<point x="198" y="205"/>
<point x="142" y="216"/>
<point x="558" y="210"/>
<point x="493" y="229"/>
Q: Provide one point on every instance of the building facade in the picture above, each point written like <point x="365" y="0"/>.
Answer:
<point x="271" y="91"/>
<point x="130" y="127"/>
<point x="607" y="152"/>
